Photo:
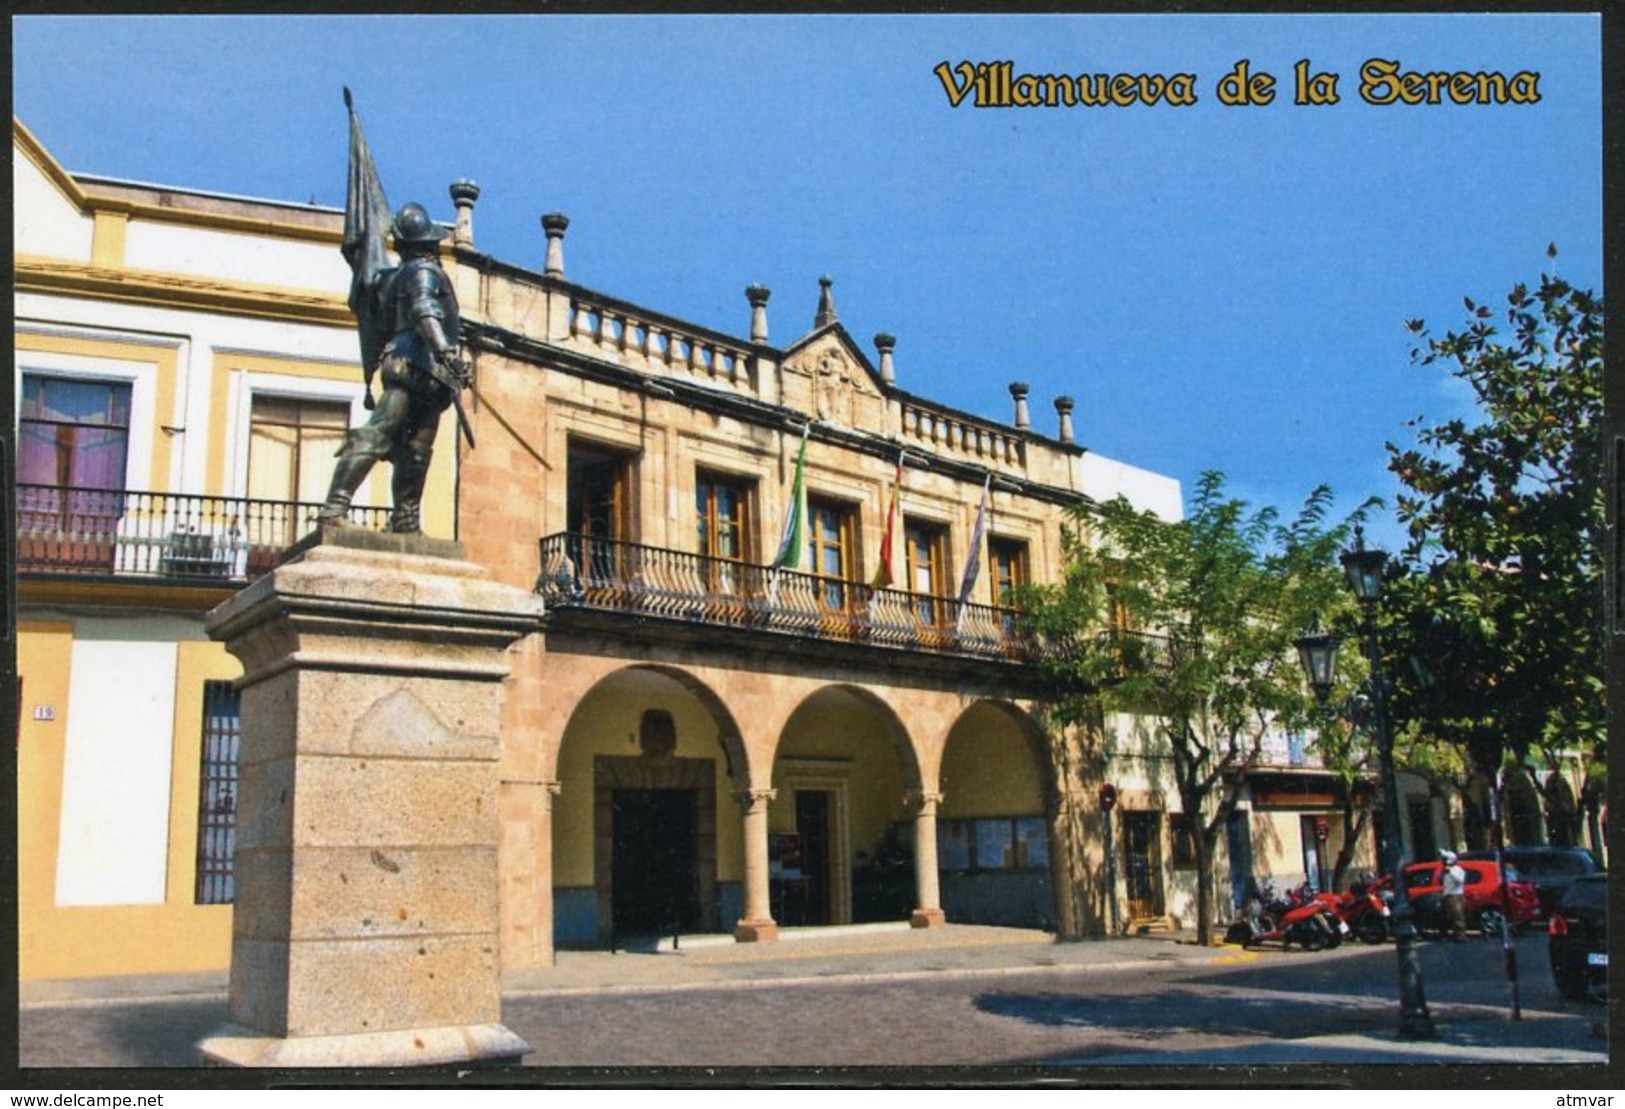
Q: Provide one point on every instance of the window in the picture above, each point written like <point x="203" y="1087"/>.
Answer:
<point x="73" y="443"/>
<point x="993" y="843"/>
<point x="74" y="434"/>
<point x="1182" y="834"/>
<point x="1117" y="608"/>
<point x="598" y="513"/>
<point x="293" y="444"/>
<point x="596" y="500"/>
<point x="1009" y="558"/>
<point x="217" y="794"/>
<point x="722" y="511"/>
<point x="829" y="549"/>
<point x="926" y="548"/>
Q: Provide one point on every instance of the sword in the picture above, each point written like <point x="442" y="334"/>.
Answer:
<point x="453" y="374"/>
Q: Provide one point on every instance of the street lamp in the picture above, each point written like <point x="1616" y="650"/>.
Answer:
<point x="1318" y="653"/>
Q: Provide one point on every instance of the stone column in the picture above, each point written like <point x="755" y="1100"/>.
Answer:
<point x="463" y="194"/>
<point x="554" y="225"/>
<point x="757" y="925"/>
<point x="1063" y="409"/>
<point x="365" y="929"/>
<point x="885" y="343"/>
<point x="758" y="295"/>
<point x="1018" y="392"/>
<point x="928" y="913"/>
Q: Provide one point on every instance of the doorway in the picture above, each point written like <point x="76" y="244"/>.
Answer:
<point x="1239" y="841"/>
<point x="653" y="875"/>
<point x="1316" y="870"/>
<point x="1142" y="863"/>
<point x="813" y="809"/>
<point x="654" y="845"/>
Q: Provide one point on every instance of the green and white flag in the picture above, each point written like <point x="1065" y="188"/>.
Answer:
<point x="790" y="544"/>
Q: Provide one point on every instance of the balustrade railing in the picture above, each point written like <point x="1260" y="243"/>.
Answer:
<point x="580" y="571"/>
<point x="629" y="337"/>
<point x="129" y="533"/>
<point x="946" y="432"/>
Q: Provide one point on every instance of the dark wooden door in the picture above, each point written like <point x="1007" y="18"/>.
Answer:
<point x="653" y="878"/>
<point x="812" y="822"/>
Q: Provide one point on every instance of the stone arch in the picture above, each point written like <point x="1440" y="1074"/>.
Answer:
<point x="644" y="837"/>
<point x="847" y="779"/>
<point x="1023" y="723"/>
<point x="996" y="820"/>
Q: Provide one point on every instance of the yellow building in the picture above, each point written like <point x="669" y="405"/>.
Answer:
<point x="184" y="366"/>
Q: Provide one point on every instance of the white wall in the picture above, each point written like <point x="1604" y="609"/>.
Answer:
<point x="44" y="221"/>
<point x="1104" y="478"/>
<point x="114" y="840"/>
<point x="231" y="256"/>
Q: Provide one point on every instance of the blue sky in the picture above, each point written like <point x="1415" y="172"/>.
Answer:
<point x="1218" y="287"/>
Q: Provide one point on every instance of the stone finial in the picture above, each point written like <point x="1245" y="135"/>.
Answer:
<point x="885" y="343"/>
<point x="757" y="295"/>
<point x="1063" y="408"/>
<point x="826" y="302"/>
<point x="1018" y="391"/>
<point x="463" y="194"/>
<point x="554" y="224"/>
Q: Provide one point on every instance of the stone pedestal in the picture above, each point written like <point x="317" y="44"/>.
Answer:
<point x="365" y="929"/>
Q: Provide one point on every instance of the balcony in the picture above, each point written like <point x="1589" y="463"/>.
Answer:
<point x="580" y="572"/>
<point x="118" y="534"/>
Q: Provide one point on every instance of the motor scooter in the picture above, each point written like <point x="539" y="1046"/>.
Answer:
<point x="1365" y="912"/>
<point x="1296" y="919"/>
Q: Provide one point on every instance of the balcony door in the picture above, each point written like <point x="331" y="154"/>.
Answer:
<point x="73" y="444"/>
<point x="831" y="529"/>
<point x="598" y="514"/>
<point x="926" y="548"/>
<point x="722" y="511"/>
<point x="293" y="443"/>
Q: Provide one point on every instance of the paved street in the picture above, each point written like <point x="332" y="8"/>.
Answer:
<point x="960" y="997"/>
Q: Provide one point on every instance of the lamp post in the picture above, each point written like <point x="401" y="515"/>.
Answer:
<point x="1317" y="651"/>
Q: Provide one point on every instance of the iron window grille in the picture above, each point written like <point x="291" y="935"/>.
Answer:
<point x="217" y="794"/>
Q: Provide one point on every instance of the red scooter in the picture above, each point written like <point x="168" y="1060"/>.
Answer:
<point x="1299" y="918"/>
<point x="1366" y="913"/>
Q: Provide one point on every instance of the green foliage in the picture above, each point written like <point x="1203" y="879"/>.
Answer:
<point x="1499" y="644"/>
<point x="1215" y="601"/>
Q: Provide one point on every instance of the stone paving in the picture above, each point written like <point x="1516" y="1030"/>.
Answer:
<point x="736" y="1003"/>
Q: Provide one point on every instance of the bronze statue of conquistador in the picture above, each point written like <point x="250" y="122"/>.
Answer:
<point x="408" y="323"/>
<point x="414" y="310"/>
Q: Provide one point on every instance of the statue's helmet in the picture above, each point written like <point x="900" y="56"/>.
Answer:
<point x="413" y="227"/>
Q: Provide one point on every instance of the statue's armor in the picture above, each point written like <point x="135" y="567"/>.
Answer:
<point x="413" y="292"/>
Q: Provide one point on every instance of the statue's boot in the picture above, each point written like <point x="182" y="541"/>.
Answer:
<point x="348" y="475"/>
<point x="406" y="487"/>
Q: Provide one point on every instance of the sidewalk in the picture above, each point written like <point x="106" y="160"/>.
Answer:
<point x="1468" y="1033"/>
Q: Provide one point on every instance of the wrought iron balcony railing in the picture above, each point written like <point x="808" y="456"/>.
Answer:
<point x="114" y="533"/>
<point x="609" y="575"/>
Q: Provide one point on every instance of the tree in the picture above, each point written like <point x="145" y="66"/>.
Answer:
<point x="1501" y="604"/>
<point x="1220" y="595"/>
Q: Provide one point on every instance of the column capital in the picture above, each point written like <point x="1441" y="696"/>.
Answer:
<point x="751" y="795"/>
<point x="924" y="800"/>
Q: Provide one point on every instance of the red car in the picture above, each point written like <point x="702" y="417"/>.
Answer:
<point x="1423" y="882"/>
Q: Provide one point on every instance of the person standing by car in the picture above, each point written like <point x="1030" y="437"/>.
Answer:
<point x="1453" y="895"/>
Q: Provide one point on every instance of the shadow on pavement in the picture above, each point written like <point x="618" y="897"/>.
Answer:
<point x="1177" y="1013"/>
<point x="151" y="1034"/>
